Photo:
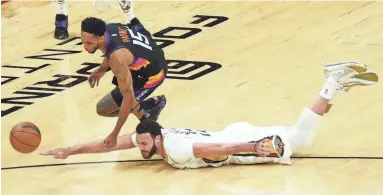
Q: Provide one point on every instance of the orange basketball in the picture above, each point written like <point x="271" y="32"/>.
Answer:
<point x="25" y="137"/>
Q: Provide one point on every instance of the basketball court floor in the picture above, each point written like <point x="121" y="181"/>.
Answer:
<point x="260" y="62"/>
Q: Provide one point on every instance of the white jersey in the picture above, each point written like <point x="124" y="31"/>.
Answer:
<point x="178" y="145"/>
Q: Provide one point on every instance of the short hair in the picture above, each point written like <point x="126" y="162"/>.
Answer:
<point x="149" y="126"/>
<point x="93" y="26"/>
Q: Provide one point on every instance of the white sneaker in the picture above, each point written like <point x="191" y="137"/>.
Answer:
<point x="350" y="74"/>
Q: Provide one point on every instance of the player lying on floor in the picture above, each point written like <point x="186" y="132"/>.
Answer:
<point x="238" y="143"/>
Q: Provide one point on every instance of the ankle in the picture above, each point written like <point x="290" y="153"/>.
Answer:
<point x="328" y="90"/>
<point x="320" y="106"/>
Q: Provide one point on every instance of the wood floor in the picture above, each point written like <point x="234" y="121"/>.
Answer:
<point x="266" y="61"/>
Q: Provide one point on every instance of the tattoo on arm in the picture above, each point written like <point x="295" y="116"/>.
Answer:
<point x="119" y="63"/>
<point x="120" y="68"/>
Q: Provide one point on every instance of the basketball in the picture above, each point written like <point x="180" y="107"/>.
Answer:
<point x="25" y="137"/>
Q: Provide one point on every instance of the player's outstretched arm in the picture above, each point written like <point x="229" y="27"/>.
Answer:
<point x="124" y="142"/>
<point x="204" y="150"/>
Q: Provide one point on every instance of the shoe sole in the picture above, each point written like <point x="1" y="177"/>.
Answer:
<point x="362" y="79"/>
<point x="356" y="66"/>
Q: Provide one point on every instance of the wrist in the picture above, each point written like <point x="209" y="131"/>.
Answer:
<point x="70" y="150"/>
<point x="103" y="69"/>
<point x="115" y="132"/>
<point x="255" y="147"/>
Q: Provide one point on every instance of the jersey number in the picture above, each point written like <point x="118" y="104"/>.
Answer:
<point x="140" y="39"/>
<point x="201" y="132"/>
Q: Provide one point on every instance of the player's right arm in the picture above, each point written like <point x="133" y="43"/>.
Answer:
<point x="124" y="142"/>
<point x="205" y="150"/>
<point x="183" y="150"/>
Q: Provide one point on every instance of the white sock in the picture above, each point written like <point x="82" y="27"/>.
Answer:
<point x="61" y="7"/>
<point x="328" y="90"/>
<point x="129" y="15"/>
<point x="127" y="8"/>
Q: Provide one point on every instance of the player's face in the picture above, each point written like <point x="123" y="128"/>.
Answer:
<point x="147" y="145"/>
<point x="91" y="43"/>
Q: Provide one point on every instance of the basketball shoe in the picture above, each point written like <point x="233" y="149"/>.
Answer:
<point x="153" y="107"/>
<point x="61" y="27"/>
<point x="349" y="74"/>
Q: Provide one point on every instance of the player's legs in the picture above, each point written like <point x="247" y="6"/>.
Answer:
<point x="339" y="77"/>
<point x="109" y="105"/>
<point x="137" y="26"/>
<point x="143" y="88"/>
<point x="131" y="20"/>
<point x="127" y="8"/>
<point x="149" y="108"/>
<point x="61" y="21"/>
<point x="290" y="138"/>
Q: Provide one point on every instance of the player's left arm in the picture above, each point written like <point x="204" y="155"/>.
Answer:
<point x="124" y="142"/>
<point x="204" y="150"/>
<point x="119" y="63"/>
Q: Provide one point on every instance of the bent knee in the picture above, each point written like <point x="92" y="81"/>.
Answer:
<point x="99" y="109"/>
<point x="102" y="110"/>
<point x="107" y="106"/>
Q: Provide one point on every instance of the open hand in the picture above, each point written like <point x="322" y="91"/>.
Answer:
<point x="59" y="153"/>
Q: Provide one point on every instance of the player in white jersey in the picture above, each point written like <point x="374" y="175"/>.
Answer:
<point x="238" y="143"/>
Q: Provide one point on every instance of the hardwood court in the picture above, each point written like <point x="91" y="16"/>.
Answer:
<point x="272" y="56"/>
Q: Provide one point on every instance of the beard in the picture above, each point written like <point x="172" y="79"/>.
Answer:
<point x="151" y="153"/>
<point x="93" y="51"/>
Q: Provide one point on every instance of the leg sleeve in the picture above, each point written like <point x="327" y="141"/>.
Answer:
<point x="301" y="134"/>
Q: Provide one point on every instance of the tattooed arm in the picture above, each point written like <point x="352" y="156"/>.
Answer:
<point x="119" y="63"/>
